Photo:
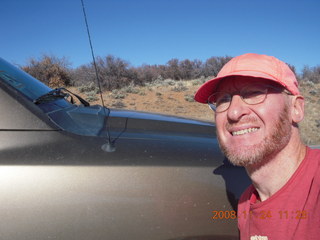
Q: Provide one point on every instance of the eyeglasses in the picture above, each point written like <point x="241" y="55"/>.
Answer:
<point x="251" y="94"/>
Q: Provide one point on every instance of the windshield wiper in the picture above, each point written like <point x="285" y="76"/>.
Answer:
<point x="59" y="93"/>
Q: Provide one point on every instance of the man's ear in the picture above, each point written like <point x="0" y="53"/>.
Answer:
<point x="297" y="109"/>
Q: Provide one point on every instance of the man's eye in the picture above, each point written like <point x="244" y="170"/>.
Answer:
<point x="253" y="94"/>
<point x="223" y="99"/>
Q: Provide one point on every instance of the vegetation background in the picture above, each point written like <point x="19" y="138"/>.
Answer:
<point x="166" y="89"/>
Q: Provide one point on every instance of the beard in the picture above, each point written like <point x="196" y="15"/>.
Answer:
<point x="259" y="153"/>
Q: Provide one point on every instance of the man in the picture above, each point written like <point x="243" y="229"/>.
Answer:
<point x="257" y="107"/>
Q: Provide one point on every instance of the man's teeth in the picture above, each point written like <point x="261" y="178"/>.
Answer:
<point x="244" y="131"/>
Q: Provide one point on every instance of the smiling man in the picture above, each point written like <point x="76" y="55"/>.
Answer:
<point x="257" y="107"/>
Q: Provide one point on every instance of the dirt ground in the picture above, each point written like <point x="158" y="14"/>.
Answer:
<point x="157" y="99"/>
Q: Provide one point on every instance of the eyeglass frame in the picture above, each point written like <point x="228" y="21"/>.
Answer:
<point x="267" y="88"/>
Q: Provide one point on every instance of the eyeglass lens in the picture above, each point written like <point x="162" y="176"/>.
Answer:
<point x="251" y="95"/>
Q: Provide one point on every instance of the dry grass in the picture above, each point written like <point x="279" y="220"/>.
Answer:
<point x="176" y="98"/>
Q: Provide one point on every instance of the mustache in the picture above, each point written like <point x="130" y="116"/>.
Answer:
<point x="244" y="120"/>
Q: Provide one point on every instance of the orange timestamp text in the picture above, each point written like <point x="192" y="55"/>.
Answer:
<point x="264" y="215"/>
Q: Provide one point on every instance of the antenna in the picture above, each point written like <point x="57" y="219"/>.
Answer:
<point x="92" y="53"/>
<point x="110" y="145"/>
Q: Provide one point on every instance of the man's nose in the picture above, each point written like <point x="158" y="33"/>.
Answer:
<point x="237" y="108"/>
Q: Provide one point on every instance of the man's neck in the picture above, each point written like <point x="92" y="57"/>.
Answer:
<point x="273" y="175"/>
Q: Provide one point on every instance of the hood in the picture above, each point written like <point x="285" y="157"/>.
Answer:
<point x="97" y="121"/>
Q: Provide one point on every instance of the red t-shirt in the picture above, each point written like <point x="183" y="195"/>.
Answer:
<point x="292" y="213"/>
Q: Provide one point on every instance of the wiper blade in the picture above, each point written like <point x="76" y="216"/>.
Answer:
<point x="58" y="93"/>
<point x="51" y="96"/>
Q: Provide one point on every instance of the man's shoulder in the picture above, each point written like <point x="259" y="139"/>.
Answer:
<point x="314" y="153"/>
<point x="313" y="158"/>
<point x="314" y="147"/>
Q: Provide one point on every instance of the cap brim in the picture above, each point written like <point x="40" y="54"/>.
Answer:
<point x="209" y="87"/>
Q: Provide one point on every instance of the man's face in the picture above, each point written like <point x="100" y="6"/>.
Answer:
<point x="251" y="134"/>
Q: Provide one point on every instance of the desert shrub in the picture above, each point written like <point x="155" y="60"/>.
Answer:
<point x="198" y="81"/>
<point x="118" y="94"/>
<point x="131" y="88"/>
<point x="306" y="84"/>
<point x="149" y="73"/>
<point x="84" y="75"/>
<point x="173" y="70"/>
<point x="311" y="74"/>
<point x="180" y="87"/>
<point x="92" y="96"/>
<point x="114" y="73"/>
<point x="186" y="69"/>
<point x="118" y="104"/>
<point x="169" y="82"/>
<point x="159" y="81"/>
<point x="214" y="64"/>
<point x="51" y="70"/>
<point x="91" y="87"/>
<point x="189" y="98"/>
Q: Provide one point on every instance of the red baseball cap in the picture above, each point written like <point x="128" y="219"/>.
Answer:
<point x="255" y="66"/>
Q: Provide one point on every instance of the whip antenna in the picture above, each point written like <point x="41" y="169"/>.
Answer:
<point x="110" y="145"/>
<point x="92" y="53"/>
